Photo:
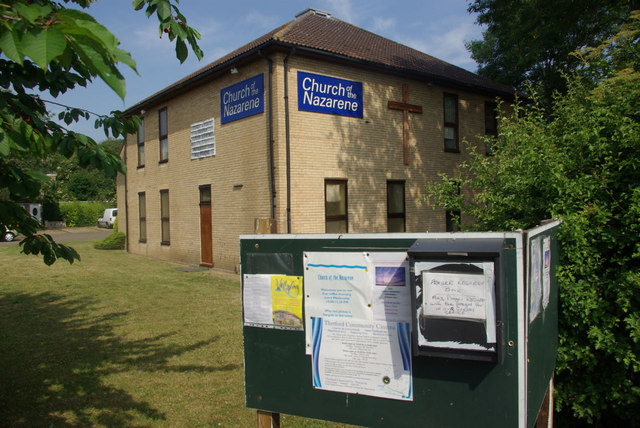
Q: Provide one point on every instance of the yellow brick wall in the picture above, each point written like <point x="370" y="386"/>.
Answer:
<point x="241" y="158"/>
<point x="366" y="151"/>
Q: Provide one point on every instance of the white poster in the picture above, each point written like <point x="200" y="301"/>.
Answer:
<point x="362" y="285"/>
<point x="535" y="280"/>
<point x="454" y="295"/>
<point x="362" y="357"/>
<point x="546" y="271"/>
<point x="256" y="299"/>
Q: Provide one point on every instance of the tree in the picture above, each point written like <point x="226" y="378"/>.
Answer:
<point x="529" y="43"/>
<point x="50" y="48"/>
<point x="578" y="162"/>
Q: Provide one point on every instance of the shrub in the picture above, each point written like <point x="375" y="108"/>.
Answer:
<point x="115" y="241"/>
<point x="82" y="213"/>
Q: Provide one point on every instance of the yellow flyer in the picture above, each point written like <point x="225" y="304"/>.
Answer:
<point x="286" y="300"/>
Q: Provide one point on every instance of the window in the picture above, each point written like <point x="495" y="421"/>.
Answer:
<point x="164" y="216"/>
<point x="395" y="207"/>
<point x="203" y="140"/>
<point x="451" y="123"/>
<point x="335" y="206"/>
<point x="141" y="143"/>
<point x="490" y="124"/>
<point x="142" y="216"/>
<point x="163" y="135"/>
<point x="205" y="194"/>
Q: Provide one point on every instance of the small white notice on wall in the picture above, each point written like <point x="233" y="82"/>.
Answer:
<point x="454" y="295"/>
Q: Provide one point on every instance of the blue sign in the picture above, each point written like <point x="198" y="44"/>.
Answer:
<point x="242" y="100"/>
<point x="324" y="94"/>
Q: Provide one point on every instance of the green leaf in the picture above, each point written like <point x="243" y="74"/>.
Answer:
<point x="125" y="58"/>
<point x="181" y="50"/>
<point x="10" y="46"/>
<point x="138" y="4"/>
<point x="100" y="66"/>
<point x="97" y="31"/>
<point x="32" y="12"/>
<point x="164" y="10"/>
<point x="42" y="46"/>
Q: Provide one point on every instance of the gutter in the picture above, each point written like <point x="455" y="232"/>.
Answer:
<point x="288" y="134"/>
<point x="272" y="167"/>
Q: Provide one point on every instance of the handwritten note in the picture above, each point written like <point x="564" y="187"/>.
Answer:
<point x="457" y="296"/>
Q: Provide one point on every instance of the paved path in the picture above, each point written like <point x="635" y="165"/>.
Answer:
<point x="71" y="234"/>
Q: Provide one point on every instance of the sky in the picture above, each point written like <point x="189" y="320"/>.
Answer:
<point x="437" y="27"/>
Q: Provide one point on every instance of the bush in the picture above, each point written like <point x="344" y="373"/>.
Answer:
<point x="82" y="213"/>
<point x="115" y="241"/>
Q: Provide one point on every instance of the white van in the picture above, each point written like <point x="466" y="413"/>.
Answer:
<point x="108" y="217"/>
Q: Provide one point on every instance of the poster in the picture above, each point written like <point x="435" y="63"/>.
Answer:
<point x="272" y="301"/>
<point x="535" y="280"/>
<point x="455" y="296"/>
<point x="364" y="286"/>
<point x="357" y="322"/>
<point x="361" y="357"/>
<point x="456" y="291"/>
<point x="546" y="271"/>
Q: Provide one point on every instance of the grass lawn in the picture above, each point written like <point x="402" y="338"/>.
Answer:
<point x="120" y="340"/>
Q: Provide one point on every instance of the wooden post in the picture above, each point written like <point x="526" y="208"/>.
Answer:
<point x="268" y="419"/>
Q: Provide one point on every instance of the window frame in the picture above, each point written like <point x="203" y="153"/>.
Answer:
<point x="454" y="125"/>
<point x="142" y="217"/>
<point x="403" y="214"/>
<point x="140" y="143"/>
<point x="339" y="217"/>
<point x="165" y="240"/>
<point x="163" y="138"/>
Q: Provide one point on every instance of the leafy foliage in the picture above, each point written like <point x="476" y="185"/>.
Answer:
<point x="50" y="48"/>
<point x="82" y="213"/>
<point x="530" y="42"/>
<point x="115" y="241"/>
<point x="578" y="162"/>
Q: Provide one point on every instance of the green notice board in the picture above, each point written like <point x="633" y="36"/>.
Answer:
<point x="453" y="384"/>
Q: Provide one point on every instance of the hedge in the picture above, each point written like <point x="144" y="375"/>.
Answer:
<point x="82" y="213"/>
<point x="115" y="241"/>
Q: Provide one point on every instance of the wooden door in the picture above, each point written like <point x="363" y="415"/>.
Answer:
<point x="206" y="238"/>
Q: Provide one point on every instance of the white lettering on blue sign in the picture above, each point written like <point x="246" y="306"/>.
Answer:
<point x="243" y="99"/>
<point x="324" y="94"/>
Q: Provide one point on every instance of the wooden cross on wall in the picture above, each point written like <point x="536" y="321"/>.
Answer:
<point x="406" y="109"/>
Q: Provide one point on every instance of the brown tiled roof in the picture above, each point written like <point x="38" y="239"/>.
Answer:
<point x="325" y="35"/>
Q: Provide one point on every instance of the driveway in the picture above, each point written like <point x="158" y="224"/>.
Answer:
<point x="70" y="234"/>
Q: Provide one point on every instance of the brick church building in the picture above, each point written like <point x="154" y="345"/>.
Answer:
<point x="316" y="127"/>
